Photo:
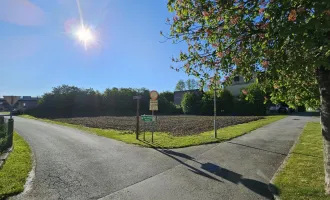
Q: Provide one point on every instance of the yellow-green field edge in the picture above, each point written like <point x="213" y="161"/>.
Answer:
<point x="15" y="171"/>
<point x="165" y="140"/>
<point x="302" y="176"/>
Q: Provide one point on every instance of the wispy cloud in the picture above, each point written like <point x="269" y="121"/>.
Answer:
<point x="21" y="12"/>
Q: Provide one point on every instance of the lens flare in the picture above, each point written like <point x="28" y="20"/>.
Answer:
<point x="85" y="35"/>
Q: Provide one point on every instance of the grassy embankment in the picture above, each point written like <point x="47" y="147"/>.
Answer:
<point x="303" y="174"/>
<point x="16" y="169"/>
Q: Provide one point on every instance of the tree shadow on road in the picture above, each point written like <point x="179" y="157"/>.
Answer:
<point x="258" y="187"/>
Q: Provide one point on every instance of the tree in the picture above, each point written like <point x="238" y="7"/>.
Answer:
<point x="190" y="84"/>
<point x="285" y="44"/>
<point x="254" y="99"/>
<point x="180" y="86"/>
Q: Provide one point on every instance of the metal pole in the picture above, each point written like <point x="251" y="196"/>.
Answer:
<point x="152" y="134"/>
<point x="10" y="132"/>
<point x="137" y="118"/>
<point x="215" y="114"/>
<point x="11" y="112"/>
<point x="144" y="131"/>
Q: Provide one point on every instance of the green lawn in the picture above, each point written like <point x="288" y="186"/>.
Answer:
<point x="303" y="174"/>
<point x="165" y="140"/>
<point x="4" y="113"/>
<point x="16" y="169"/>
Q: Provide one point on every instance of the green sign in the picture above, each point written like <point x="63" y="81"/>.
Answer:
<point x="146" y="118"/>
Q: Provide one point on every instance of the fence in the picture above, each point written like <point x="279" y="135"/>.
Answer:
<point x="6" y="133"/>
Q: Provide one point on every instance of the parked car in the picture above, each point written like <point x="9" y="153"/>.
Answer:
<point x="281" y="108"/>
<point x="16" y="112"/>
<point x="274" y="108"/>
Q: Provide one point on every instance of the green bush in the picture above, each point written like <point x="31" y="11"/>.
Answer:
<point x="207" y="104"/>
<point x="3" y="135"/>
<point x="169" y="96"/>
<point x="191" y="103"/>
<point x="224" y="102"/>
<point x="70" y="101"/>
<point x="251" y="103"/>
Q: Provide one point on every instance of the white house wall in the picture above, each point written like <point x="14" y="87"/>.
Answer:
<point x="236" y="89"/>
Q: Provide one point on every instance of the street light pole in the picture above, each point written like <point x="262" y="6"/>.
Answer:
<point x="137" y="118"/>
<point x="215" y="113"/>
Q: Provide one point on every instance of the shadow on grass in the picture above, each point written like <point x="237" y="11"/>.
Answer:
<point x="265" y="190"/>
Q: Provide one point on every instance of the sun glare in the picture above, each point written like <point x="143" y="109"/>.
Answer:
<point x="85" y="35"/>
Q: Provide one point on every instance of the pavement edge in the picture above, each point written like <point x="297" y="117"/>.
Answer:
<point x="271" y="185"/>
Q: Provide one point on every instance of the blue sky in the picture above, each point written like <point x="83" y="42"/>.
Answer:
<point x="38" y="50"/>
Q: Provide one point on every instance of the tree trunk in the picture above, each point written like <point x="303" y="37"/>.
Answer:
<point x="324" y="82"/>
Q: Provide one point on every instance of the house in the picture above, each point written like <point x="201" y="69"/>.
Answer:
<point x="25" y="102"/>
<point x="178" y="95"/>
<point x="28" y="102"/>
<point x="238" y="84"/>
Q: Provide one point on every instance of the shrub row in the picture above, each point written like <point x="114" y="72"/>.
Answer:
<point x="69" y="101"/>
<point x="226" y="103"/>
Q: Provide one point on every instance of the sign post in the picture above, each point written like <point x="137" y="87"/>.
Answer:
<point x="137" y="98"/>
<point x="145" y="119"/>
<point x="153" y="107"/>
<point x="11" y="100"/>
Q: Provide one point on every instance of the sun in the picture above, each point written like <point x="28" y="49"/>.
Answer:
<point x="85" y="35"/>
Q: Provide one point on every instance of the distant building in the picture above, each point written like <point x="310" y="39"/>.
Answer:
<point x="25" y="102"/>
<point x="178" y="95"/>
<point x="238" y="84"/>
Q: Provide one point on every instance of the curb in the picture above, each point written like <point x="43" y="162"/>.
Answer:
<point x="5" y="156"/>
<point x="271" y="185"/>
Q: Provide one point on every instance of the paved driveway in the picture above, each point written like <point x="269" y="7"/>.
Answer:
<point x="71" y="164"/>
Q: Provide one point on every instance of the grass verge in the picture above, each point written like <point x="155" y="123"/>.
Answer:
<point x="16" y="169"/>
<point x="303" y="174"/>
<point x="4" y="113"/>
<point x="165" y="140"/>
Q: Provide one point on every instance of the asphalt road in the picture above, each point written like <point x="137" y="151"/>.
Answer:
<point x="71" y="164"/>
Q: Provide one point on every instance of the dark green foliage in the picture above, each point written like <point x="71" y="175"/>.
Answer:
<point x="69" y="101"/>
<point x="253" y="102"/>
<point x="243" y="107"/>
<point x="191" y="103"/>
<point x="4" y="142"/>
<point x="207" y="104"/>
<point x="225" y="103"/>
<point x="169" y="96"/>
